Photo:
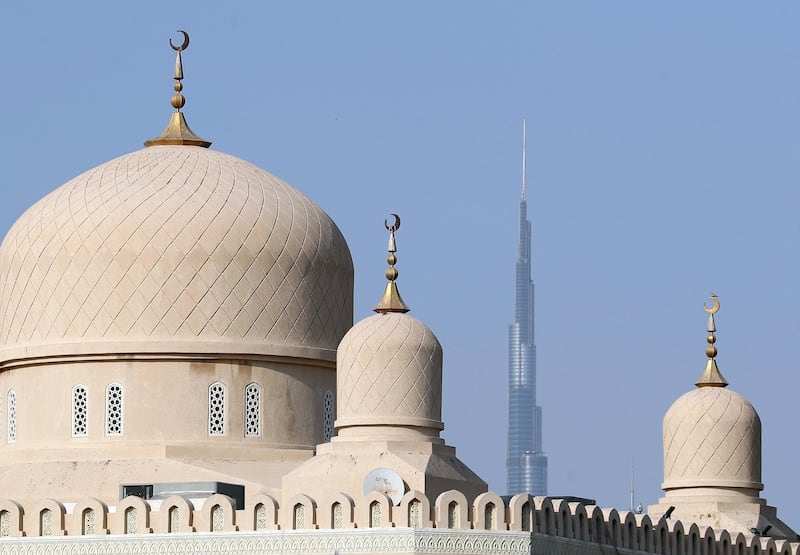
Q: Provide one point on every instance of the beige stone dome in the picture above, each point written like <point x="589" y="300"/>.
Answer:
<point x="174" y="248"/>
<point x="712" y="438"/>
<point x="389" y="373"/>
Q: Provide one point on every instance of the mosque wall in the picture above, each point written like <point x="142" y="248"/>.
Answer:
<point x="447" y="524"/>
<point x="95" y="403"/>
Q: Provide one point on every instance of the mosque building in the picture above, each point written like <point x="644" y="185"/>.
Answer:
<point x="180" y="373"/>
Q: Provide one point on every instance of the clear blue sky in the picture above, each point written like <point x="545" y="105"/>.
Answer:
<point x="663" y="161"/>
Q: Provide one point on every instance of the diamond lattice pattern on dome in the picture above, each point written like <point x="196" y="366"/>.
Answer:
<point x="179" y="243"/>
<point x="712" y="433"/>
<point x="392" y="367"/>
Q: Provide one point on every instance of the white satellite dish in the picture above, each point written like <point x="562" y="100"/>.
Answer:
<point x="385" y="480"/>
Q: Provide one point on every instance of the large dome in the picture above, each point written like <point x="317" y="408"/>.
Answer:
<point x="174" y="248"/>
<point x="712" y="438"/>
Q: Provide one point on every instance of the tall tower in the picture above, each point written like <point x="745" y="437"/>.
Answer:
<point x="526" y="462"/>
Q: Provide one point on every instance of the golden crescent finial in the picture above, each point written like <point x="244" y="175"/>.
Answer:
<point x="713" y="309"/>
<point x="183" y="46"/>
<point x="395" y="226"/>
<point x="178" y="131"/>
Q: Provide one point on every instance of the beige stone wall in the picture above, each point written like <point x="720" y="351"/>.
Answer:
<point x="165" y="435"/>
<point x="165" y="401"/>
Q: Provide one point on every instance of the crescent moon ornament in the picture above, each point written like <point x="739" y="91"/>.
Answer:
<point x="395" y="225"/>
<point x="713" y="309"/>
<point x="183" y="46"/>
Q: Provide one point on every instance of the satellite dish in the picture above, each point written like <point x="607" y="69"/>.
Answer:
<point x="385" y="480"/>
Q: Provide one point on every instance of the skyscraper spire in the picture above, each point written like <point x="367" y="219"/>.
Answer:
<point x="524" y="168"/>
<point x="526" y="462"/>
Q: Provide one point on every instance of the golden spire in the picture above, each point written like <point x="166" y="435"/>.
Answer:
<point x="711" y="377"/>
<point x="178" y="131"/>
<point x="391" y="300"/>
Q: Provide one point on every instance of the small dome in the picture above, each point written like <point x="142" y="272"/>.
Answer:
<point x="389" y="372"/>
<point x="179" y="248"/>
<point x="712" y="438"/>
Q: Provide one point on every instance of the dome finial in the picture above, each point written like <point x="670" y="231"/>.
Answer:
<point x="711" y="377"/>
<point x="391" y="300"/>
<point x="178" y="131"/>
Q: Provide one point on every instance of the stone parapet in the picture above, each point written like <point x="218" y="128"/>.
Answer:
<point x="490" y="525"/>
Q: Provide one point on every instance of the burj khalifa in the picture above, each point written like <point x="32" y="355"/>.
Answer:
<point x="526" y="462"/>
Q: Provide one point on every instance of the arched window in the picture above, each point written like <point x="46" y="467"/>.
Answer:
<point x="12" y="416"/>
<point x="527" y="516"/>
<point x="174" y="519"/>
<point x="261" y="517"/>
<point x="217" y="518"/>
<point x="216" y="409"/>
<point x="299" y="516"/>
<point x="337" y="516"/>
<point x="130" y="520"/>
<point x="452" y="515"/>
<point x="375" y="515"/>
<point x="46" y="522"/>
<point x="5" y="523"/>
<point x="80" y="403"/>
<point x="114" y="408"/>
<point x="327" y="416"/>
<point x="488" y="516"/>
<point x="252" y="410"/>
<point x="414" y="508"/>
<point x="88" y="522"/>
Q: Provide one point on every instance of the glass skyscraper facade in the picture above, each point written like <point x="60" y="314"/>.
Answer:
<point x="526" y="462"/>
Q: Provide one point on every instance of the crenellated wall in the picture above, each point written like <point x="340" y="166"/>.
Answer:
<point x="554" y="525"/>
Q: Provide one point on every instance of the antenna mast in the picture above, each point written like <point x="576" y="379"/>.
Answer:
<point x="632" y="489"/>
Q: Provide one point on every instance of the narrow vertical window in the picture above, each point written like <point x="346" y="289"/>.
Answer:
<point x="327" y="416"/>
<point x="114" y="409"/>
<point x="452" y="515"/>
<point x="216" y="409"/>
<point x="12" y="416"/>
<point x="88" y="522"/>
<point x="174" y="520"/>
<point x="527" y="517"/>
<point x="130" y="521"/>
<point x="252" y="410"/>
<point x="299" y="516"/>
<point x="217" y="518"/>
<point x="337" y="516"/>
<point x="79" y="411"/>
<point x="5" y="523"/>
<point x="261" y="517"/>
<point x="488" y="516"/>
<point x="414" y="514"/>
<point x="46" y="522"/>
<point x="375" y="515"/>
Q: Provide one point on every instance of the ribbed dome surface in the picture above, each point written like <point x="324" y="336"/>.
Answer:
<point x="712" y="438"/>
<point x="175" y="244"/>
<point x="389" y="372"/>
